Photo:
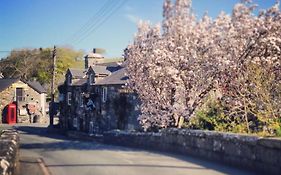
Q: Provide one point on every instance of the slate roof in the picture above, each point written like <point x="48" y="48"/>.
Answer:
<point x="37" y="86"/>
<point x="6" y="82"/>
<point x="117" y="78"/>
<point x="94" y="55"/>
<point x="111" y="66"/>
<point x="100" y="70"/>
<point x="77" y="73"/>
<point x="79" y="82"/>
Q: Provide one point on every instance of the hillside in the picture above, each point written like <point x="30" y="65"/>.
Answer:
<point x="36" y="64"/>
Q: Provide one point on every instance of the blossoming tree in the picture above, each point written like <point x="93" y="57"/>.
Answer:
<point x="174" y="66"/>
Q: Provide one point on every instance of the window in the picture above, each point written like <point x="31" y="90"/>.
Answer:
<point x="75" y="122"/>
<point x="104" y="94"/>
<point x="91" y="79"/>
<point x="69" y="80"/>
<point x="69" y="98"/>
<point x="61" y="97"/>
<point x="20" y="94"/>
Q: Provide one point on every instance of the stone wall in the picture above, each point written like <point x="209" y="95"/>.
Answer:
<point x="120" y="110"/>
<point x="9" y="152"/>
<point x="259" y="154"/>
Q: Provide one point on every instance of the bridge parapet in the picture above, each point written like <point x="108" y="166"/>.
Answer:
<point x="259" y="154"/>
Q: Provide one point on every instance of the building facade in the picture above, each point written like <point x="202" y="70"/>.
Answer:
<point x="98" y="101"/>
<point x="29" y="97"/>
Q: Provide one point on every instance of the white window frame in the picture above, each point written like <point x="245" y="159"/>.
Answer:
<point x="75" y="122"/>
<point x="22" y="97"/>
<point x="69" y="80"/>
<point x="69" y="94"/>
<point x="104" y="94"/>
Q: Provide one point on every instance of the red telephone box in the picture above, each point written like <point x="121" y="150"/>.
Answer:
<point x="12" y="114"/>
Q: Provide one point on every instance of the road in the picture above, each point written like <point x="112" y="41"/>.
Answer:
<point x="64" y="156"/>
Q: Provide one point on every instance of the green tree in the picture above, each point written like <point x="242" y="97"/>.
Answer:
<point x="36" y="64"/>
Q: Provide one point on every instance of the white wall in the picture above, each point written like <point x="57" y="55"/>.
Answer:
<point x="43" y="103"/>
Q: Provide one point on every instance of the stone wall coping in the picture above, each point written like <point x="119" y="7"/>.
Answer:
<point x="271" y="142"/>
<point x="260" y="154"/>
<point x="9" y="152"/>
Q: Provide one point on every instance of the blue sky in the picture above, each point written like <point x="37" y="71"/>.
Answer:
<point x="44" y="23"/>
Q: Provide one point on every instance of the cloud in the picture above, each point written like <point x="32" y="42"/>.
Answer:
<point x="132" y="18"/>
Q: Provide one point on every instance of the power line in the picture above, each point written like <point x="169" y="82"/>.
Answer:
<point x="100" y="21"/>
<point x="9" y="51"/>
<point x="6" y="51"/>
<point x="83" y="35"/>
<point x="90" y="21"/>
<point x="101" y="16"/>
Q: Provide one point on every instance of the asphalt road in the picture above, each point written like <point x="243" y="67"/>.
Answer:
<point x="64" y="156"/>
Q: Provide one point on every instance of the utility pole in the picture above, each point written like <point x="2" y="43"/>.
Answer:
<point x="52" y="109"/>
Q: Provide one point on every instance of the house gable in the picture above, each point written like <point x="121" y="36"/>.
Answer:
<point x="35" y="85"/>
<point x="13" y="84"/>
<point x="73" y="76"/>
<point x="68" y="77"/>
<point x="91" y="76"/>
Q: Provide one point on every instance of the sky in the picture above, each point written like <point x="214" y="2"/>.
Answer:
<point x="87" y="24"/>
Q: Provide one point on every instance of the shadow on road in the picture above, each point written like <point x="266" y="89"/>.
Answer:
<point x="30" y="165"/>
<point x="60" y="142"/>
<point x="39" y="130"/>
<point x="71" y="145"/>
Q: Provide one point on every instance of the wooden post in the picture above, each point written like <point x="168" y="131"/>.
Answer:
<point x="52" y="110"/>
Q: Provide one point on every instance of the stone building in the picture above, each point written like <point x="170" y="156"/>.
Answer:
<point x="30" y="98"/>
<point x="96" y="100"/>
<point x="117" y="106"/>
